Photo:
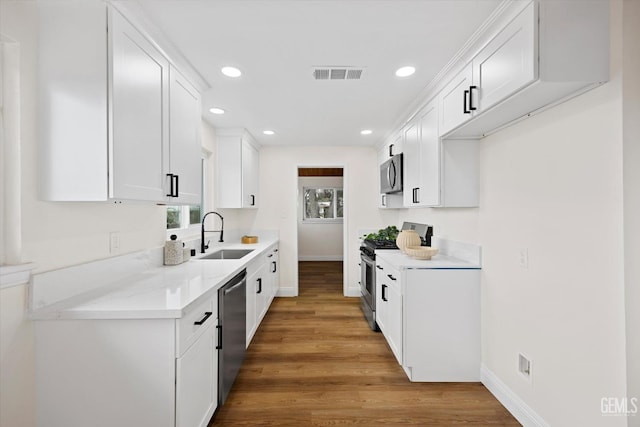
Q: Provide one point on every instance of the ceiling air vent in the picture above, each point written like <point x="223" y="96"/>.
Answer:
<point x="337" y="73"/>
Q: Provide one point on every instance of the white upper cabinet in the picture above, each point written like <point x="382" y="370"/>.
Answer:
<point x="237" y="170"/>
<point x="546" y="53"/>
<point x="454" y="100"/>
<point x="185" y="180"/>
<point x="421" y="185"/>
<point x="250" y="169"/>
<point x="139" y="95"/>
<point x="117" y="122"/>
<point x="507" y="63"/>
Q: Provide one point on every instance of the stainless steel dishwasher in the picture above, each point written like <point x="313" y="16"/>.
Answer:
<point x="232" y="309"/>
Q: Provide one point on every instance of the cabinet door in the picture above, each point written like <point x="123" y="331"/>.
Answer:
<point x="252" y="290"/>
<point x="394" y="316"/>
<point x="139" y="113"/>
<point x="381" y="302"/>
<point x="250" y="169"/>
<point x="454" y="101"/>
<point x="196" y="382"/>
<point x="508" y="62"/>
<point x="411" y="167"/>
<point x="274" y="271"/>
<point x="262" y="292"/>
<point x="428" y="193"/>
<point x="185" y="152"/>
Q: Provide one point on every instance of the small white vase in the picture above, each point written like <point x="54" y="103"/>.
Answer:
<point x="407" y="238"/>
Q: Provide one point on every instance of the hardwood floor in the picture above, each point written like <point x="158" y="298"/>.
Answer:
<point x="315" y="362"/>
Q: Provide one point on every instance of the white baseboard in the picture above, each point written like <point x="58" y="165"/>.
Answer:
<point x="353" y="292"/>
<point x="320" y="258"/>
<point x="518" y="408"/>
<point x="287" y="292"/>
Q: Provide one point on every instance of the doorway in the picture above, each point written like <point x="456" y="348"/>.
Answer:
<point x="321" y="220"/>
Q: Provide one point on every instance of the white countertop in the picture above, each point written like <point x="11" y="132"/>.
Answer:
<point x="401" y="261"/>
<point x="157" y="292"/>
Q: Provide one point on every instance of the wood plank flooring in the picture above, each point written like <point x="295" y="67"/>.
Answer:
<point x="315" y="362"/>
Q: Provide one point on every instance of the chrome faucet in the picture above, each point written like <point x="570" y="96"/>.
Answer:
<point x="204" y="247"/>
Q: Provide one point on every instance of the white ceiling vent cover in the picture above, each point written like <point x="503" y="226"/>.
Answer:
<point x="337" y="73"/>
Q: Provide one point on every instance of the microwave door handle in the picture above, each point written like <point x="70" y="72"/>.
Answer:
<point x="392" y="175"/>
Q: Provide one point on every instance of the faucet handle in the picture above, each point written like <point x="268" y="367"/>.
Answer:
<point x="207" y="245"/>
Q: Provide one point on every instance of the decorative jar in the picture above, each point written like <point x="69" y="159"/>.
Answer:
<point x="407" y="238"/>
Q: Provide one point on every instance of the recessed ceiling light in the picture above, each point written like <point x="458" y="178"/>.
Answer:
<point x="216" y="110"/>
<point x="231" y="72"/>
<point x="268" y="132"/>
<point x="366" y="132"/>
<point x="405" y="71"/>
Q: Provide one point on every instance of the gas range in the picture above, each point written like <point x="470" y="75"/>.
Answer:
<point x="369" y="246"/>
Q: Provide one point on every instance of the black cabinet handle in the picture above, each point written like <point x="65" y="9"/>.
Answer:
<point x="379" y="268"/>
<point x="275" y="250"/>
<point x="253" y="200"/>
<point x="259" y="286"/>
<point x="471" y="107"/>
<point x="170" y="175"/>
<point x="415" y="195"/>
<point x="207" y="314"/>
<point x="174" y="183"/>
<point x="275" y="266"/>
<point x="384" y="294"/>
<point x="391" y="150"/>
<point x="219" y="328"/>
<point x="391" y="277"/>
<point x="270" y="255"/>
<point x="465" y="110"/>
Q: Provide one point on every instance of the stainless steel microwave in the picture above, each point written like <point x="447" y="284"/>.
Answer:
<point x="391" y="175"/>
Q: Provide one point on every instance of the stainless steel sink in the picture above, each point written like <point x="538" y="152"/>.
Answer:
<point x="228" y="254"/>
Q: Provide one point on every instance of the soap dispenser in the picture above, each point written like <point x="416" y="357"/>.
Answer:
<point x="173" y="251"/>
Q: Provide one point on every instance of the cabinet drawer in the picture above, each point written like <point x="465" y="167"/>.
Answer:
<point x="194" y="323"/>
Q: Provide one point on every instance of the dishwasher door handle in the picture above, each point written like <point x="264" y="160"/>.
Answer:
<point x="237" y="285"/>
<point x="219" y="328"/>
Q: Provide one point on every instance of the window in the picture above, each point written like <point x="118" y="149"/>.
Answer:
<point x="323" y="204"/>
<point x="182" y="216"/>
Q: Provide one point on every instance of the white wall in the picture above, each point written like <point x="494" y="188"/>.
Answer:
<point x="279" y="206"/>
<point x="318" y="241"/>
<point x="631" y="149"/>
<point x="552" y="184"/>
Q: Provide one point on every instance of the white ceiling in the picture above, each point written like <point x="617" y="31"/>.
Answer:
<point x="276" y="43"/>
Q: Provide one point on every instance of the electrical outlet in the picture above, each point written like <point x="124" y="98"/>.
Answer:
<point x="524" y="367"/>
<point x="523" y="257"/>
<point x="114" y="242"/>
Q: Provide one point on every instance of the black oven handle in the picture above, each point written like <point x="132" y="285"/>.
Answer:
<point x="367" y="260"/>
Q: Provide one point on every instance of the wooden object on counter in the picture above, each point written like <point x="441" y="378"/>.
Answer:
<point x="249" y="239"/>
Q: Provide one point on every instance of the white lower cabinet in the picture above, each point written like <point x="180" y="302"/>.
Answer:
<point x="431" y="321"/>
<point x="274" y="272"/>
<point x="197" y="380"/>
<point x="389" y="306"/>
<point x="262" y="286"/>
<point x="128" y="372"/>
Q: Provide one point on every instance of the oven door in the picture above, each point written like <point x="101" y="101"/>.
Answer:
<point x="368" y="290"/>
<point x="368" y="281"/>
